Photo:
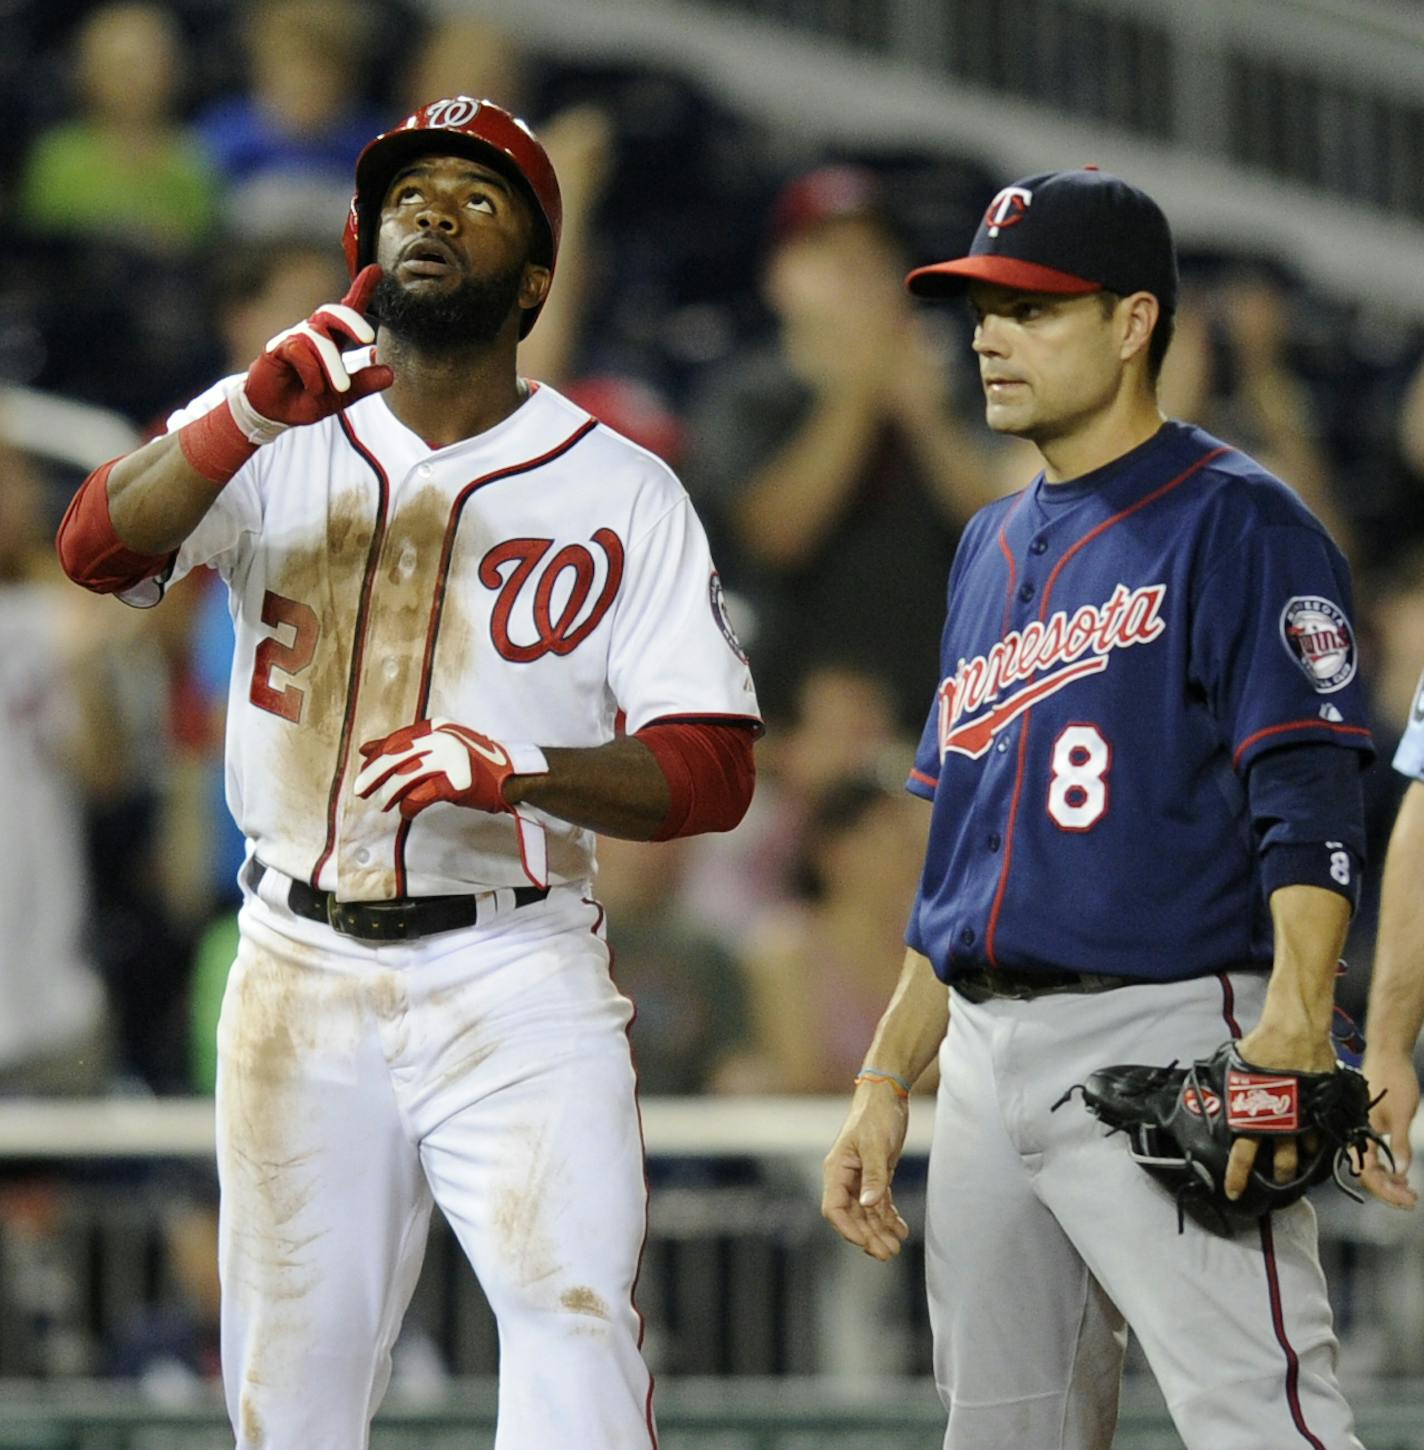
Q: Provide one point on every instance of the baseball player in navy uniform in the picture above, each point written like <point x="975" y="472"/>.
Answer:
<point x="1396" y="1007"/>
<point x="473" y="628"/>
<point x="1143" y="762"/>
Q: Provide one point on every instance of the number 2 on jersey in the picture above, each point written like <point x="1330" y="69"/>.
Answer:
<point x="1078" y="790"/>
<point x="291" y="659"/>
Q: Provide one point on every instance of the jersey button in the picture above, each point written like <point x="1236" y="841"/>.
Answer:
<point x="967" y="936"/>
<point x="391" y="669"/>
<point x="363" y="856"/>
<point x="424" y="470"/>
<point x="1025" y="591"/>
<point x="1002" y="746"/>
<point x="1038" y="546"/>
<point x="993" y="842"/>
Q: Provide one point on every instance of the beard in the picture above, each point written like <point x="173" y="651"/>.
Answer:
<point x="476" y="311"/>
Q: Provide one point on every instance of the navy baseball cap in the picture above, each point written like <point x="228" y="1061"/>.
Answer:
<point x="1069" y="232"/>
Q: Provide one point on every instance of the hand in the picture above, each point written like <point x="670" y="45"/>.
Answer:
<point x="435" y="760"/>
<point x="300" y="377"/>
<point x="1257" y="318"/>
<point x="1393" y="1074"/>
<point x="1293" y="1049"/>
<point x="916" y="378"/>
<point x="438" y="760"/>
<point x="581" y="143"/>
<point x="856" y="1174"/>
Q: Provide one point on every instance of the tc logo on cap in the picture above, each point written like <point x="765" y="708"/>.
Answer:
<point x="1008" y="209"/>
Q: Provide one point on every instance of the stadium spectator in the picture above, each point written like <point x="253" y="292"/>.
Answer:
<point x="123" y="167"/>
<point x="691" y="1033"/>
<point x="169" y="1346"/>
<point x="817" y="969"/>
<point x="636" y="409"/>
<point x="287" y="148"/>
<point x="842" y="726"/>
<point x="1231" y="366"/>
<point x="833" y="453"/>
<point x="61" y="745"/>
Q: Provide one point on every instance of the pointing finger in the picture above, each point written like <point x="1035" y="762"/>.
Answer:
<point x="336" y="318"/>
<point x="362" y="289"/>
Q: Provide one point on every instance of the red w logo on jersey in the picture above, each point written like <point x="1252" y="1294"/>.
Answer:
<point x="561" y="634"/>
<point x="1130" y="616"/>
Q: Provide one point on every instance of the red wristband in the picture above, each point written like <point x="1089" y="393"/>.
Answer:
<point x="710" y="773"/>
<point x="214" y="445"/>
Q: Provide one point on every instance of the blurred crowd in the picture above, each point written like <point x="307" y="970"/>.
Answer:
<point x="176" y="178"/>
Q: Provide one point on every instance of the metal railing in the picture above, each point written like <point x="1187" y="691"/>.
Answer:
<point x="740" y="1276"/>
<point x="745" y="1415"/>
<point x="1290" y="126"/>
<point x="1327" y="95"/>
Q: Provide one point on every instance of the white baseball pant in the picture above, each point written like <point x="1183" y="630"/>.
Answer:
<point x="486" y="1070"/>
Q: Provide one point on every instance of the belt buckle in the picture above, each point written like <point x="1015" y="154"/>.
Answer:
<point x="339" y="916"/>
<point x="366" y="920"/>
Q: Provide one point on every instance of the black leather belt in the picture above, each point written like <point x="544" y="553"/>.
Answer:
<point x="982" y="983"/>
<point x="402" y="918"/>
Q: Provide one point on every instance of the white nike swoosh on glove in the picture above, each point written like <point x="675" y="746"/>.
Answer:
<point x="495" y="755"/>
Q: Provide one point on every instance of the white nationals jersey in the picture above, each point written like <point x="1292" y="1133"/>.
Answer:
<point x="542" y="582"/>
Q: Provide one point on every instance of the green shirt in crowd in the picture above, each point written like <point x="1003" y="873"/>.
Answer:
<point x="81" y="179"/>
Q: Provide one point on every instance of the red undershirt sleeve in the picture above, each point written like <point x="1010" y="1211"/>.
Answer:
<point x="91" y="553"/>
<point x="710" y="771"/>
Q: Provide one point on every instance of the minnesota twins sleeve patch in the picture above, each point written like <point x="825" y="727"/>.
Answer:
<point x="1318" y="637"/>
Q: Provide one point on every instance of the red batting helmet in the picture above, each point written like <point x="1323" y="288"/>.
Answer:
<point x="462" y="126"/>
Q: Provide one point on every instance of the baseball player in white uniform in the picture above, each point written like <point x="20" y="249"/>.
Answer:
<point x="474" y="628"/>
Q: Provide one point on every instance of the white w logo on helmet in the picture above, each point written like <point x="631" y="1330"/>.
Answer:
<point x="454" y="111"/>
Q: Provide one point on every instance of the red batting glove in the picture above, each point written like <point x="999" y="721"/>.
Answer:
<point x="300" y="378"/>
<point x="438" y="760"/>
<point x="435" y="760"/>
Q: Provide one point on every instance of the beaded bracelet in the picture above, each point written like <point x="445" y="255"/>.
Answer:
<point x="878" y="1074"/>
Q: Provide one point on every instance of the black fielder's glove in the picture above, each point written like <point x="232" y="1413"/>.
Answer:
<point x="1181" y="1123"/>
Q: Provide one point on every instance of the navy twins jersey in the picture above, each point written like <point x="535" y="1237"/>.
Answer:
<point x="1117" y="652"/>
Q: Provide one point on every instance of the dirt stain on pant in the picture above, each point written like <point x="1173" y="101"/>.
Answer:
<point x="253" y="1433"/>
<point x="582" y="1300"/>
<point x="282" y="1010"/>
